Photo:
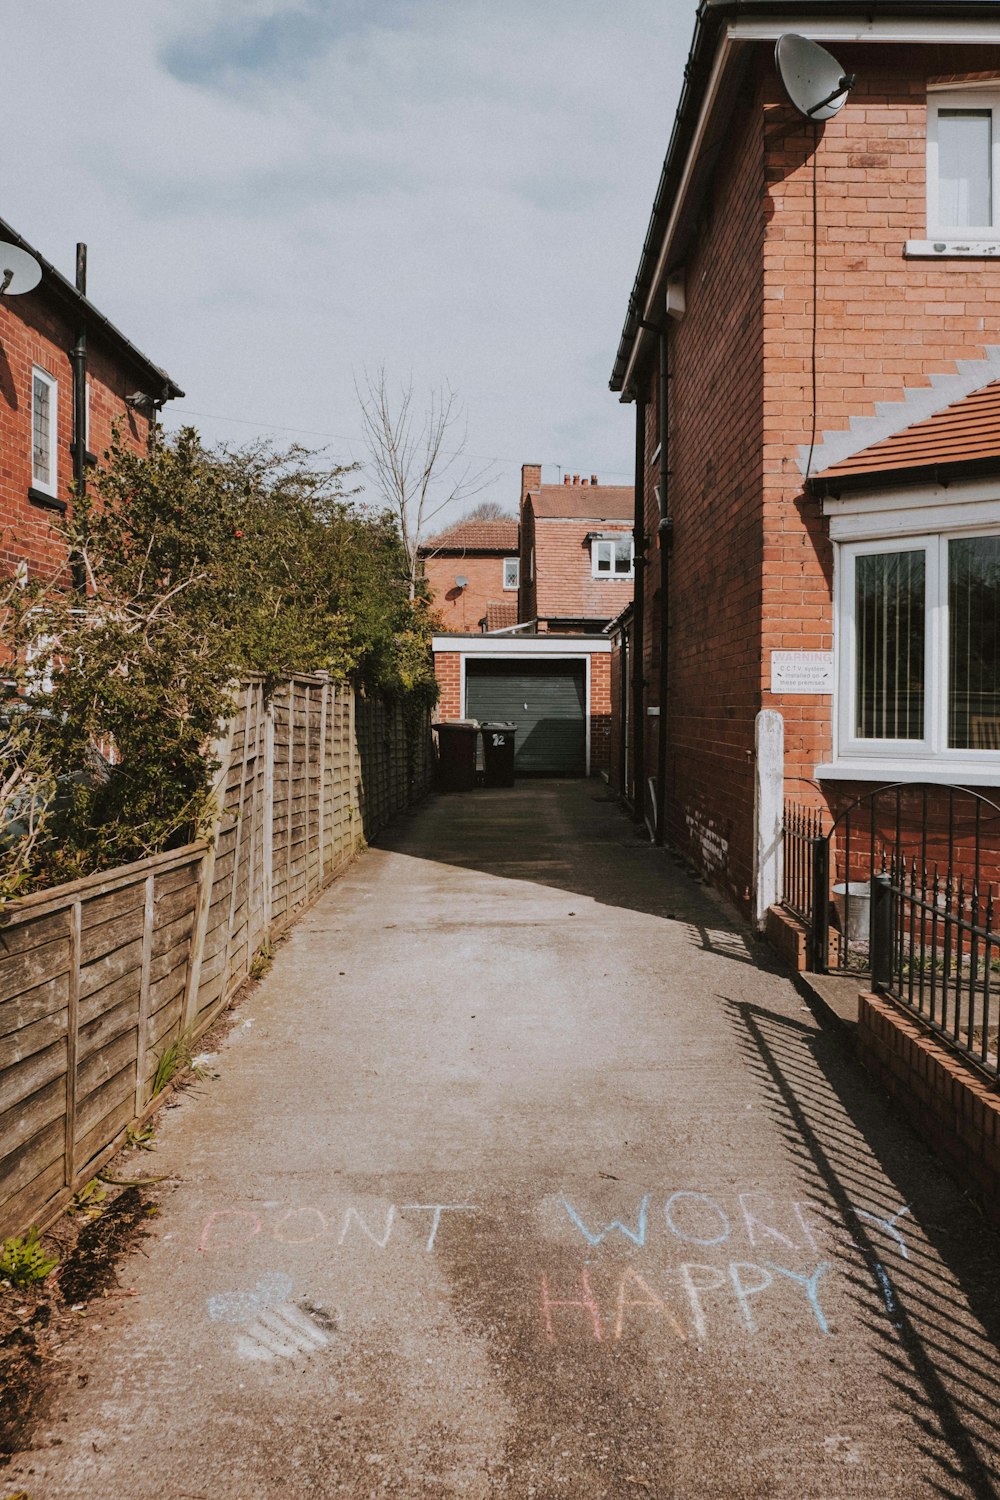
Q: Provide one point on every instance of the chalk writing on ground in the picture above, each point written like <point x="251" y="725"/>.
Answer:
<point x="271" y="1325"/>
<point x="747" y="1256"/>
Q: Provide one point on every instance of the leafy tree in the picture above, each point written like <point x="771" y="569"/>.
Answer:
<point x="202" y="566"/>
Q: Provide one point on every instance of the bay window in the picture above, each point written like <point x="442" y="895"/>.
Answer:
<point x="919" y="649"/>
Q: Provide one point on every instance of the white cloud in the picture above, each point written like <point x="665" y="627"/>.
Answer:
<point x="276" y="195"/>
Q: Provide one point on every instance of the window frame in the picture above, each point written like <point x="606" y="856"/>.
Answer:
<point x="933" y="750"/>
<point x="48" y="486"/>
<point x="511" y="588"/>
<point x="605" y="541"/>
<point x="968" y="97"/>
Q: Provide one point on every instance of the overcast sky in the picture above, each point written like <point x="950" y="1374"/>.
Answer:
<point x="277" y="194"/>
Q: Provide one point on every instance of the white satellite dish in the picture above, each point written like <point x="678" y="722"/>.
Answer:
<point x="19" y="271"/>
<point x="814" y="80"/>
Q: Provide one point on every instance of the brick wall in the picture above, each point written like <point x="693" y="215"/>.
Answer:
<point x="564" y="580"/>
<point x="714" y="501"/>
<point x="600" y="712"/>
<point x="751" y="568"/>
<point x="527" y="605"/>
<point x="885" y="323"/>
<point x="462" y="609"/>
<point x="949" y="1104"/>
<point x="447" y="670"/>
<point x="31" y="333"/>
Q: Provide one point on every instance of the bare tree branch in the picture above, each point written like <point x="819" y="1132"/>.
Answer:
<point x="414" y="471"/>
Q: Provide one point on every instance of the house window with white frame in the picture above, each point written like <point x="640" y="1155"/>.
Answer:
<point x="612" y="557"/>
<point x="963" y="163"/>
<point x="919" y="645"/>
<point x="511" y="572"/>
<point x="44" y="428"/>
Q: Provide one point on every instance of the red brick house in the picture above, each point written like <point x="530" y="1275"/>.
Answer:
<point x="812" y="346"/>
<point x="576" y="552"/>
<point x="545" y="667"/>
<point x="67" y="375"/>
<point x="472" y="570"/>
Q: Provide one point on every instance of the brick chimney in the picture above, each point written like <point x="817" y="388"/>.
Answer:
<point x="531" y="479"/>
<point x="593" y="478"/>
<point x="567" y="478"/>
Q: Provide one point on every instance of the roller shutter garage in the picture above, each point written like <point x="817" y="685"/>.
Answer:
<point x="547" y="700"/>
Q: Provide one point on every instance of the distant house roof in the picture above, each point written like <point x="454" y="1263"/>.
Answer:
<point x="584" y="502"/>
<point x="55" y="286"/>
<point x="475" y="536"/>
<point x="962" y="437"/>
<point x="501" y="614"/>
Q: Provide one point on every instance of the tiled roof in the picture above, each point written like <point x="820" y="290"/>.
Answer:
<point x="501" y="614"/>
<point x="476" y="536"/>
<point x="585" y="502"/>
<point x="967" y="432"/>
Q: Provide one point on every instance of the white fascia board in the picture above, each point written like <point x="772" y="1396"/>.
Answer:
<point x="535" y="645"/>
<point x="851" y="29"/>
<point x="817" y="29"/>
<point x="963" y="505"/>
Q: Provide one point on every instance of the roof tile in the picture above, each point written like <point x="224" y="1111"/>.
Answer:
<point x="968" y="431"/>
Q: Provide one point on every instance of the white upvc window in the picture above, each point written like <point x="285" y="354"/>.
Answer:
<point x="44" y="432"/>
<point x="511" y="572"/>
<point x="963" y="163"/>
<point x="613" y="557"/>
<point x="918" y="646"/>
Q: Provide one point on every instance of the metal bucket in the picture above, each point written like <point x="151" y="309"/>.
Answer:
<point x="853" y="901"/>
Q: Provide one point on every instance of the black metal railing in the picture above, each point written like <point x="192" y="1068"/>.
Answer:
<point x="904" y="885"/>
<point x="935" y="947"/>
<point x="802" y="826"/>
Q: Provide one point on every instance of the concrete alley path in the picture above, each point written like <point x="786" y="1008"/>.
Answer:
<point x="523" y="1176"/>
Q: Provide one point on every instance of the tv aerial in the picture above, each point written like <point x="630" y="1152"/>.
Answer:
<point x="814" y="80"/>
<point x="19" y="271"/>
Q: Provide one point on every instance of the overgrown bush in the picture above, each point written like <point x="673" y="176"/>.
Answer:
<point x="200" y="567"/>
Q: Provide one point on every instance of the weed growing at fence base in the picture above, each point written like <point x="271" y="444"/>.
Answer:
<point x="23" y="1260"/>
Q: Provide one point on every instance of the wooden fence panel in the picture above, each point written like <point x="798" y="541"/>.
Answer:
<point x="99" y="976"/>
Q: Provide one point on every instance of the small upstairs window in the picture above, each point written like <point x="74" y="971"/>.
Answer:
<point x="511" y="572"/>
<point x="963" y="164"/>
<point x="44" y="417"/>
<point x="612" y="557"/>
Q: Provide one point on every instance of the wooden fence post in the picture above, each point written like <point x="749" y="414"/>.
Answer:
<point x="222" y="751"/>
<point x="72" y="1038"/>
<point x="289" y="797"/>
<point x="321" y="834"/>
<point x="148" y="915"/>
<point x="228" y="959"/>
<point x="352" y="761"/>
<point x="268" y="813"/>
<point x="255" y="812"/>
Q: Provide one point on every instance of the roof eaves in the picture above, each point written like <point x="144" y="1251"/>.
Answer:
<point x="55" y="283"/>
<point x="832" y="486"/>
<point x="710" y="18"/>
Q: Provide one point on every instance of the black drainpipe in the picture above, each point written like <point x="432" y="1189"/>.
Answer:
<point x="665" y="530"/>
<point x="638" y="619"/>
<point x="78" y="357"/>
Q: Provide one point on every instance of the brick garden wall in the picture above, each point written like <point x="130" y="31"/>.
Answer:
<point x="952" y="1107"/>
